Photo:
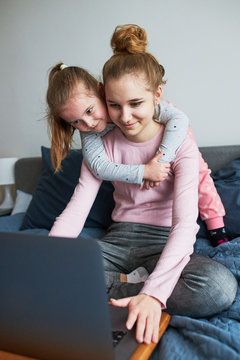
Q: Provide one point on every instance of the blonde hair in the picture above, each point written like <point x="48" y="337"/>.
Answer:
<point x="129" y="43"/>
<point x="62" y="84"/>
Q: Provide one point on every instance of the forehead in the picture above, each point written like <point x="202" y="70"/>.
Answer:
<point x="80" y="97"/>
<point x="81" y="92"/>
<point x="77" y="104"/>
<point x="133" y="83"/>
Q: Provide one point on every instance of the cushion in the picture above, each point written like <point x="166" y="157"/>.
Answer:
<point x="22" y="202"/>
<point x="11" y="223"/>
<point x="54" y="191"/>
<point x="227" y="182"/>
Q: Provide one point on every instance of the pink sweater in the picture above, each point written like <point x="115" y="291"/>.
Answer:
<point x="173" y="203"/>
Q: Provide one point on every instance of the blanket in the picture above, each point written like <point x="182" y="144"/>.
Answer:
<point x="214" y="338"/>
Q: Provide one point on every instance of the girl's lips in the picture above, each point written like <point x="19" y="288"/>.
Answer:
<point x="94" y="127"/>
<point x="129" y="126"/>
<point x="101" y="125"/>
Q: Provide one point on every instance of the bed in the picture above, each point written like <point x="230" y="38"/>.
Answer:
<point x="41" y="196"/>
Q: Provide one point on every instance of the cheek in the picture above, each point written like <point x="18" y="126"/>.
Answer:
<point x="101" y="114"/>
<point x="113" y="112"/>
<point x="82" y="128"/>
<point x="114" y="118"/>
<point x="148" y="111"/>
<point x="140" y="113"/>
<point x="113" y="115"/>
<point x="110" y="111"/>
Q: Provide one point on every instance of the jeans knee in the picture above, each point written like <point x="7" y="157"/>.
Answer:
<point x="220" y="288"/>
<point x="225" y="285"/>
<point x="205" y="288"/>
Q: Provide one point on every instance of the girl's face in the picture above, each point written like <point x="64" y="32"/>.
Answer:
<point x="131" y="106"/>
<point x="85" y="111"/>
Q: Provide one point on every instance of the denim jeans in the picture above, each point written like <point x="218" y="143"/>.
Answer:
<point x="205" y="287"/>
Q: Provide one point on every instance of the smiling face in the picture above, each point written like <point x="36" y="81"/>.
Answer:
<point x="131" y="106"/>
<point x="85" y="111"/>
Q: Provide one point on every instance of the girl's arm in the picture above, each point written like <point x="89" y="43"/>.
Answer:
<point x="176" y="123"/>
<point x="99" y="164"/>
<point x="176" y="127"/>
<point x="179" y="246"/>
<point x="210" y="205"/>
<point x="71" y="221"/>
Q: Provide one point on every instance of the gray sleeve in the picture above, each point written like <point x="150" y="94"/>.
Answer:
<point x="176" y="127"/>
<point x="98" y="163"/>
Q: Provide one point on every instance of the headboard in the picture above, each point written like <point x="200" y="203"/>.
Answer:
<point x="218" y="156"/>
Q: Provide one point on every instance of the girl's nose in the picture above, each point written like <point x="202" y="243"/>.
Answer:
<point x="125" y="115"/>
<point x="90" y="123"/>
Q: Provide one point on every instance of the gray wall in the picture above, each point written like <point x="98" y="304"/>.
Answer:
<point x="196" y="41"/>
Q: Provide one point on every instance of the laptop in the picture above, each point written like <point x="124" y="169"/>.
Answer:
<point x="53" y="303"/>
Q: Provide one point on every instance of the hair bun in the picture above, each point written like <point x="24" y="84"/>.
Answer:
<point x="129" y="38"/>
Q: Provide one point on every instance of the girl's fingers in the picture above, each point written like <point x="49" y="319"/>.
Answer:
<point x="149" y="331"/>
<point x="132" y="318"/>
<point x="158" y="156"/>
<point x="121" y="302"/>
<point x="156" y="329"/>
<point x="140" y="328"/>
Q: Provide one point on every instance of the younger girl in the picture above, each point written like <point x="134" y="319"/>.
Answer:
<point x="76" y="95"/>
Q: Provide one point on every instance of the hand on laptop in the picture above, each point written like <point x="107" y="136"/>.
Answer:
<point x="146" y="312"/>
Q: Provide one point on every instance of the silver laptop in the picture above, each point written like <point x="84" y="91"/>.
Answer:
<point x="53" y="302"/>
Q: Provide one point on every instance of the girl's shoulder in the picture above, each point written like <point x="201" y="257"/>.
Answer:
<point x="188" y="148"/>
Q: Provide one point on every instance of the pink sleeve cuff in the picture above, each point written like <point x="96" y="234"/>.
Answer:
<point x="215" y="223"/>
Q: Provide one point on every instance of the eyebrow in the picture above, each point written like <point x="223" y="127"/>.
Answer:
<point x="131" y="100"/>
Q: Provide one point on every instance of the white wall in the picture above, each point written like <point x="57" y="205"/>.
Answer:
<point x="196" y="41"/>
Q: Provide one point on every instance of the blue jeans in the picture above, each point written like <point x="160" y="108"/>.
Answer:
<point x="205" y="287"/>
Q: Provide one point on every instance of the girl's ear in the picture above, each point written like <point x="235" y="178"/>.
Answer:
<point x="158" y="95"/>
<point x="101" y="89"/>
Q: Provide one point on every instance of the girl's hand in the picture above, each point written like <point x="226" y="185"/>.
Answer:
<point x="154" y="172"/>
<point x="146" y="312"/>
<point x="149" y="184"/>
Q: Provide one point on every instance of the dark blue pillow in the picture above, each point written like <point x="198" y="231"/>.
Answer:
<point x="54" y="191"/>
<point x="202" y="233"/>
<point x="227" y="182"/>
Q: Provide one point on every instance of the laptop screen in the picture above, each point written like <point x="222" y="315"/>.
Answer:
<point x="53" y="302"/>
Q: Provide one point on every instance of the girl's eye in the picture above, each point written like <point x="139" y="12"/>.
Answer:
<point x="135" y="104"/>
<point x="90" y="110"/>
<point x="114" y="105"/>
<point x="76" y="123"/>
